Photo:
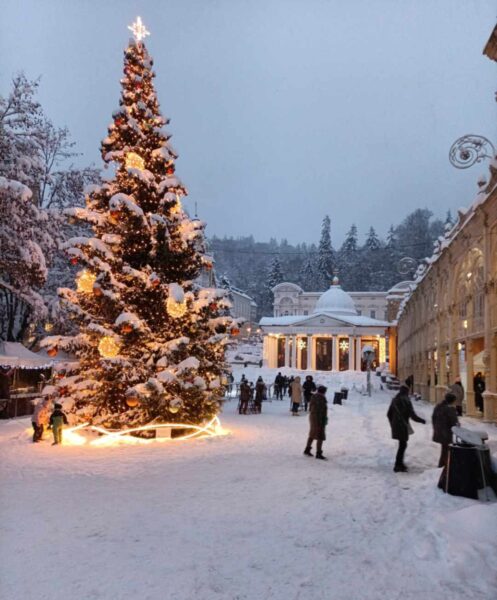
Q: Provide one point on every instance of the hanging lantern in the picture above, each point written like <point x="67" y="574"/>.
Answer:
<point x="235" y="331"/>
<point x="85" y="281"/>
<point x="74" y="260"/>
<point x="175" y="309"/>
<point x="108" y="347"/>
<point x="176" y="303"/>
<point x="134" y="161"/>
<point x="52" y="351"/>
<point x="126" y="328"/>
<point x="132" y="399"/>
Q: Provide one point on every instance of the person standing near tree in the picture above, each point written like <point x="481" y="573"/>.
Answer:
<point x="399" y="413"/>
<point x="444" y="417"/>
<point x="296" y="393"/>
<point x="457" y="389"/>
<point x="309" y="388"/>
<point x="318" y="419"/>
<point x="40" y="419"/>
<point x="57" y="421"/>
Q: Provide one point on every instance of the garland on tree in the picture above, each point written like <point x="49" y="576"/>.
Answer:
<point x="151" y="341"/>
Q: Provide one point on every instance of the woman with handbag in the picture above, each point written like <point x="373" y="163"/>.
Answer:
<point x="399" y="413"/>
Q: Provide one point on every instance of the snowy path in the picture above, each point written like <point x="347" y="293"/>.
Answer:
<point x="242" y="517"/>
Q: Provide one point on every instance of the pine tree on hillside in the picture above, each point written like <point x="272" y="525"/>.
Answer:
<point x="151" y="341"/>
<point x="275" y="274"/>
<point x="307" y="276"/>
<point x="348" y="261"/>
<point x="326" y="259"/>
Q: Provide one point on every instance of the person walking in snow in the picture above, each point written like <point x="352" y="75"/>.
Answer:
<point x="290" y="381"/>
<point x="457" y="389"/>
<point x="57" y="421"/>
<point x="309" y="388"/>
<point x="399" y="413"/>
<point x="260" y="391"/>
<point x="444" y="417"/>
<point x="244" y="397"/>
<point x="296" y="394"/>
<point x="39" y="419"/>
<point x="318" y="419"/>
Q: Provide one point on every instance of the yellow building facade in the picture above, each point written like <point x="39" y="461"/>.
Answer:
<point x="447" y="326"/>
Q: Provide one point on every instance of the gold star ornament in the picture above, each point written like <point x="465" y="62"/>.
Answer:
<point x="139" y="30"/>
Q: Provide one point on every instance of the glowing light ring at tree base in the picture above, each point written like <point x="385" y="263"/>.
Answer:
<point x="71" y="438"/>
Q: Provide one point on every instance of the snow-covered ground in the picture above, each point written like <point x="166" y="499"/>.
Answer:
<point x="245" y="516"/>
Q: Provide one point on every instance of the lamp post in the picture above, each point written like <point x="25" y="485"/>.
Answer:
<point x="368" y="354"/>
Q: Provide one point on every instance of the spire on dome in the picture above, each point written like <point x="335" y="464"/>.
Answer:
<point x="335" y="280"/>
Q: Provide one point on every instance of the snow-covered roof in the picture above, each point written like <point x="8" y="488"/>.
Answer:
<point x="335" y="301"/>
<point x="14" y="354"/>
<point x="355" y="320"/>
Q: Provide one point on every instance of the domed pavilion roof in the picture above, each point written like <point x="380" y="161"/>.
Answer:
<point x="335" y="301"/>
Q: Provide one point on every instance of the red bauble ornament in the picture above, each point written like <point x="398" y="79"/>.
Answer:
<point x="126" y="328"/>
<point x="208" y="266"/>
<point x="132" y="401"/>
<point x="114" y="215"/>
<point x="74" y="260"/>
<point x="213" y="306"/>
<point x="235" y="331"/>
<point x="63" y="390"/>
<point x="170" y="170"/>
<point x="155" y="282"/>
<point x="52" y="351"/>
<point x="97" y="291"/>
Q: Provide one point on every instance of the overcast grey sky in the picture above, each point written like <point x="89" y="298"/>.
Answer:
<point x="281" y="110"/>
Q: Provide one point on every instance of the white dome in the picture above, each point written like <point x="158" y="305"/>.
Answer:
<point x="336" y="301"/>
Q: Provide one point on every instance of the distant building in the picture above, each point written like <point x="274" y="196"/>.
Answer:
<point x="291" y="300"/>
<point x="244" y="307"/>
<point x="326" y="331"/>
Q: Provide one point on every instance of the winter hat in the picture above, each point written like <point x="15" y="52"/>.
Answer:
<point x="449" y="398"/>
<point x="57" y="405"/>
<point x="322" y="389"/>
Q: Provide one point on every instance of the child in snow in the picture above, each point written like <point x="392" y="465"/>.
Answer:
<point x="57" y="421"/>
<point x="40" y="419"/>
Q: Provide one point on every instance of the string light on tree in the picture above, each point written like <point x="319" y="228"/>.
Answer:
<point x="139" y="30"/>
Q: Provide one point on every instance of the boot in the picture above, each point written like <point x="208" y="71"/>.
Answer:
<point x="321" y="456"/>
<point x="308" y="452"/>
<point x="400" y="469"/>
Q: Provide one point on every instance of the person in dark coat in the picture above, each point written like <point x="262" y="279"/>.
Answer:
<point x="457" y="389"/>
<point x="290" y="381"/>
<point x="318" y="419"/>
<point x="309" y="388"/>
<point x="444" y="417"/>
<point x="260" y="392"/>
<point x="278" y="386"/>
<point x="399" y="413"/>
<point x="479" y="388"/>
<point x="284" y="386"/>
<point x="244" y="397"/>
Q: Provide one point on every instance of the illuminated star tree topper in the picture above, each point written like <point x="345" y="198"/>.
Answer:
<point x="139" y="30"/>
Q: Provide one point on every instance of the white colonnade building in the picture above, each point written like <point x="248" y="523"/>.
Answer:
<point x="331" y="338"/>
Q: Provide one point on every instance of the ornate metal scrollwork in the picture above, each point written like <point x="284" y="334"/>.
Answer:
<point x="470" y="149"/>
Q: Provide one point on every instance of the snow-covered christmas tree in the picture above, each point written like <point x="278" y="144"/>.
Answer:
<point x="151" y="341"/>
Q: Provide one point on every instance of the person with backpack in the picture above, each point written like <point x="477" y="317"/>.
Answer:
<point x="57" y="421"/>
<point x="399" y="413"/>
